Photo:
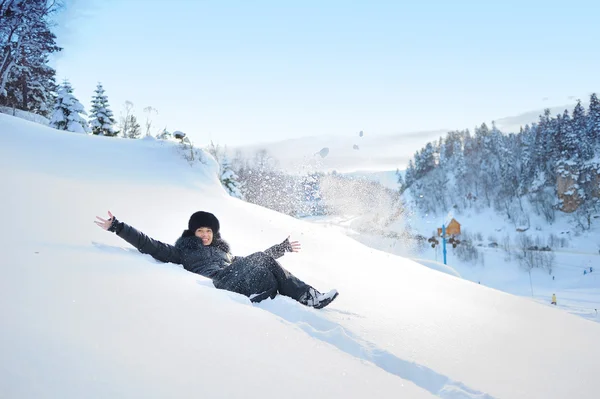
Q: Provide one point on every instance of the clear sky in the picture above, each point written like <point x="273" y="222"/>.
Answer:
<point x="240" y="72"/>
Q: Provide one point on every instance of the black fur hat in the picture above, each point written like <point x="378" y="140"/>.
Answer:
<point x="203" y="219"/>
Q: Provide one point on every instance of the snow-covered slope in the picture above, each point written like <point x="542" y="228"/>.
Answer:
<point x="29" y="116"/>
<point x="84" y="316"/>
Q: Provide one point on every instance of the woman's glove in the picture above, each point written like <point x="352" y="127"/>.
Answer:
<point x="115" y="225"/>
<point x="278" y="250"/>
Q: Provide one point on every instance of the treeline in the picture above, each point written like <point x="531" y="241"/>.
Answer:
<point x="553" y="163"/>
<point x="68" y="114"/>
<point x="28" y="82"/>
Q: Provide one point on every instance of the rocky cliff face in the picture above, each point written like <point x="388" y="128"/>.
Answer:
<point x="570" y="181"/>
<point x="567" y="188"/>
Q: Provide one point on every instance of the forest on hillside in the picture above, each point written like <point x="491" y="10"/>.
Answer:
<point x="553" y="163"/>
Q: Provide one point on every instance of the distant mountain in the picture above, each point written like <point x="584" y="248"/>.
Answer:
<point x="512" y="124"/>
<point x="366" y="152"/>
<point x="344" y="153"/>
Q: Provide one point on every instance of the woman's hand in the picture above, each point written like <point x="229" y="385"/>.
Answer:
<point x="105" y="223"/>
<point x="295" y="245"/>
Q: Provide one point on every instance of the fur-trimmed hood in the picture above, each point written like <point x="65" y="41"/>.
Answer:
<point x="193" y="243"/>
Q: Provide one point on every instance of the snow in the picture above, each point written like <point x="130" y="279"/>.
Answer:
<point x="25" y="115"/>
<point x="86" y="316"/>
<point x="498" y="245"/>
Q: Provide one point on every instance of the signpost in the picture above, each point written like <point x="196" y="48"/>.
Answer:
<point x="453" y="229"/>
<point x="444" y="242"/>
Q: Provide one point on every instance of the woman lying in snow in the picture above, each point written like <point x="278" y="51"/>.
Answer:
<point x="201" y="250"/>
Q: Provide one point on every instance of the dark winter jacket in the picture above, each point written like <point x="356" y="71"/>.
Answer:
<point x="189" y="251"/>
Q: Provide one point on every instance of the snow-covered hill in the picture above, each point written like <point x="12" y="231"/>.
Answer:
<point x="84" y="316"/>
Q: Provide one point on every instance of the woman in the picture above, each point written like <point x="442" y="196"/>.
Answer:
<point x="201" y="250"/>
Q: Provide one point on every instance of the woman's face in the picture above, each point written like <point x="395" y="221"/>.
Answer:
<point x="205" y="234"/>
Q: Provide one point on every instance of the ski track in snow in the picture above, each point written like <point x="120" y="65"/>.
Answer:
<point x="325" y="330"/>
<point x="319" y="327"/>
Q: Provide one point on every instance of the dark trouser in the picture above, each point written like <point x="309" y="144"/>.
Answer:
<point x="259" y="276"/>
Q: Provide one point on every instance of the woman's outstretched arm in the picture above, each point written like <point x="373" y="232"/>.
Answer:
<point x="278" y="250"/>
<point x="146" y="245"/>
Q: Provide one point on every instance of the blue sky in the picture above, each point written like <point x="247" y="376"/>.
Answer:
<point x="240" y="72"/>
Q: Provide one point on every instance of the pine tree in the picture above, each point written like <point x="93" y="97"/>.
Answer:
<point x="580" y="129"/>
<point x="472" y="163"/>
<point x="482" y="135"/>
<point x="409" y="176"/>
<point x="546" y="153"/>
<point x="570" y="144"/>
<point x="460" y="167"/>
<point x="425" y="162"/>
<point x="31" y="85"/>
<point x="400" y="180"/>
<point x="310" y="201"/>
<point x="594" y="120"/>
<point x="134" y="130"/>
<point x="67" y="111"/>
<point x="101" y="117"/>
<point x="579" y="119"/>
<point x="540" y="146"/>
<point x="26" y="79"/>
<point x="229" y="179"/>
<point x="508" y="167"/>
<point x="488" y="141"/>
<point x="165" y="135"/>
<point x="528" y="166"/>
<point x="446" y="147"/>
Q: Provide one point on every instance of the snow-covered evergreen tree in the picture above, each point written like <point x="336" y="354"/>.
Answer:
<point x="508" y="168"/>
<point x="67" y="111"/>
<point x="400" y="180"/>
<point x="229" y="179"/>
<point x="545" y="154"/>
<point x="594" y="120"/>
<point x="425" y="161"/>
<point x="446" y="150"/>
<point x="489" y="166"/>
<point x="570" y="138"/>
<point x="309" y="200"/>
<point x="26" y="79"/>
<point x="580" y="129"/>
<point x="164" y="135"/>
<point x="579" y="119"/>
<point x="472" y="159"/>
<point x="134" y="130"/>
<point x="101" y="117"/>
<point x="31" y="88"/>
<point x="409" y="176"/>
<point x="460" y="167"/>
<point x="527" y="170"/>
